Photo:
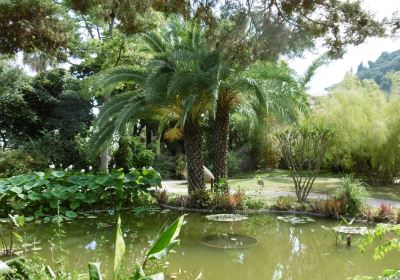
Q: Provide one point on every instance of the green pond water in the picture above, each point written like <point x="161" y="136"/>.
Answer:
<point x="302" y="251"/>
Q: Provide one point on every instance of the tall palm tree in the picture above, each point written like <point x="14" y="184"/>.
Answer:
<point x="264" y="87"/>
<point x="181" y="73"/>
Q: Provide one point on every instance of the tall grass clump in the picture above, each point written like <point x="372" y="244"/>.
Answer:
<point x="353" y="194"/>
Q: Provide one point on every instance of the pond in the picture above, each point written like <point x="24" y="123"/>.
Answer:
<point x="300" y="251"/>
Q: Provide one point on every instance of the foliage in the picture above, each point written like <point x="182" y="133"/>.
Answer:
<point x="383" y="232"/>
<point x="366" y="141"/>
<point x="44" y="114"/>
<point x="352" y="193"/>
<point x="45" y="194"/>
<point x="132" y="152"/>
<point x="17" y="162"/>
<point x="303" y="149"/>
<point x="20" y="268"/>
<point x="32" y="25"/>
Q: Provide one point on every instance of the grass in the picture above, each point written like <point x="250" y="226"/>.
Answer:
<point x="277" y="180"/>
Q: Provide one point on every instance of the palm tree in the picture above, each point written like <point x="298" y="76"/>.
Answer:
<point x="264" y="87"/>
<point x="181" y="74"/>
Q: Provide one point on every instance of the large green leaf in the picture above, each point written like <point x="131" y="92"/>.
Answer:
<point x="71" y="214"/>
<point x="4" y="268"/>
<point x="119" y="248"/>
<point x="58" y="174"/>
<point x="94" y="271"/>
<point x="166" y="240"/>
<point x="16" y="189"/>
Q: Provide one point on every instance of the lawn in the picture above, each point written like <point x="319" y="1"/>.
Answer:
<point x="280" y="181"/>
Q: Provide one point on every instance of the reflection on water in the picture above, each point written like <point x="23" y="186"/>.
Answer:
<point x="283" y="251"/>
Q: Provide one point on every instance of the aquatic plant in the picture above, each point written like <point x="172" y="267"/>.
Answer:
<point x="226" y="217"/>
<point x="43" y="193"/>
<point x="18" y="268"/>
<point x="295" y="219"/>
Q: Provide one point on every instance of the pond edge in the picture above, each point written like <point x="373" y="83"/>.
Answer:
<point x="257" y="211"/>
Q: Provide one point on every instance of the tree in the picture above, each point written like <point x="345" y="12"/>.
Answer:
<point x="181" y="76"/>
<point x="303" y="148"/>
<point x="378" y="70"/>
<point x="31" y="25"/>
<point x="45" y="113"/>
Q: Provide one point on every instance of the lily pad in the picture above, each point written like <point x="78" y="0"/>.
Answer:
<point x="351" y="230"/>
<point x="226" y="217"/>
<point x="295" y="219"/>
<point x="228" y="241"/>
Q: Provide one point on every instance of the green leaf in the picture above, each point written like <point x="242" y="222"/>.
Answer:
<point x="40" y="174"/>
<point x="71" y="214"/>
<point x="166" y="240"/>
<point x="102" y="179"/>
<point x="54" y="204"/>
<point x="34" y="196"/>
<point x="4" y="268"/>
<point x="94" y="271"/>
<point x="16" y="189"/>
<point x="74" y="204"/>
<point x="119" y="248"/>
<point x="58" y="174"/>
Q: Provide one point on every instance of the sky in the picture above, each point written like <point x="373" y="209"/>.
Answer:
<point x="370" y="50"/>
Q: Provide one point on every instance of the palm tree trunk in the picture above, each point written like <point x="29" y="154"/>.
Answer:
<point x="193" y="141"/>
<point x="221" y="140"/>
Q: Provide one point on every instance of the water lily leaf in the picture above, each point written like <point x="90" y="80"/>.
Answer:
<point x="16" y="189"/>
<point x="351" y="230"/>
<point x="119" y="248"/>
<point x="40" y="174"/>
<point x="94" y="271"/>
<point x="74" y="204"/>
<point x="58" y="174"/>
<point x="71" y="214"/>
<point x="34" y="196"/>
<point x="226" y="217"/>
<point x="295" y="219"/>
<point x="54" y="204"/>
<point x="166" y="240"/>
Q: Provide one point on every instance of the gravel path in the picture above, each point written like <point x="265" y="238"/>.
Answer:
<point x="174" y="186"/>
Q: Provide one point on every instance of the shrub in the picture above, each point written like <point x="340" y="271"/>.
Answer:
<point x="386" y="212"/>
<point x="254" y="203"/>
<point x="132" y="152"/>
<point x="46" y="194"/>
<point x="303" y="148"/>
<point x="161" y="197"/>
<point x="334" y="207"/>
<point x="353" y="194"/>
<point x="16" y="162"/>
<point x="180" y="165"/>
<point x="164" y="163"/>
<point x="226" y="201"/>
<point x="284" y="203"/>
